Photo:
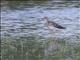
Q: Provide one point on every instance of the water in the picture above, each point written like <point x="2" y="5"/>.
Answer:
<point x="22" y="20"/>
<point x="26" y="18"/>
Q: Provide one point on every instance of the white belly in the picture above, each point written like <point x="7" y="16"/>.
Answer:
<point x="51" y="27"/>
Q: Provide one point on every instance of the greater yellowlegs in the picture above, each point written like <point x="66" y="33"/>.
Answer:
<point x="52" y="25"/>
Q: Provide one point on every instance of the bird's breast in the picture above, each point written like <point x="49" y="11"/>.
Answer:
<point x="51" y="27"/>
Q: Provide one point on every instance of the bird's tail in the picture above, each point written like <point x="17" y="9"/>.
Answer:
<point x="60" y="27"/>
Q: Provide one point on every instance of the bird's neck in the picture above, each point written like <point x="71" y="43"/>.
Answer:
<point x="46" y="19"/>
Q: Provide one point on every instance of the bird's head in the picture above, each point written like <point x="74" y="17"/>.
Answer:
<point x="45" y="18"/>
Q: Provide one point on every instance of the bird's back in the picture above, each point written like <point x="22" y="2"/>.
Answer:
<point x="55" y="25"/>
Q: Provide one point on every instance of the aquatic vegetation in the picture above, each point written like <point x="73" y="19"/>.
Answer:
<point x="33" y="48"/>
<point x="24" y="36"/>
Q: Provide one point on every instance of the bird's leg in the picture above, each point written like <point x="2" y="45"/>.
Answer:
<point x="52" y="33"/>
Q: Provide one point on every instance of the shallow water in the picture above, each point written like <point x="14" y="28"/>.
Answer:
<point x="26" y="18"/>
<point x="25" y="35"/>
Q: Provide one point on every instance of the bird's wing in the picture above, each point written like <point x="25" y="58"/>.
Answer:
<point x="58" y="26"/>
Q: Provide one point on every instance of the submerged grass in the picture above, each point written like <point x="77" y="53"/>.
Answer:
<point x="33" y="48"/>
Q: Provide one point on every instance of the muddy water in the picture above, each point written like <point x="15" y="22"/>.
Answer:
<point x="25" y="18"/>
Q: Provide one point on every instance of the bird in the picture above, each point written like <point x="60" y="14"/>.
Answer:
<point x="52" y="25"/>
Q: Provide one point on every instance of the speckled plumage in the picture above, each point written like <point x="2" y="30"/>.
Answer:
<point x="52" y="24"/>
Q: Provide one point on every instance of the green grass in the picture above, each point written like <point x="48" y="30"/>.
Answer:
<point x="32" y="48"/>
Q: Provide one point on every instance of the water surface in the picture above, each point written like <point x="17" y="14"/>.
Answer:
<point x="26" y="36"/>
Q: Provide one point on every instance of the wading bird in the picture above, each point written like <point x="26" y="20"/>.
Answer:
<point x="53" y="46"/>
<point x="52" y="25"/>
